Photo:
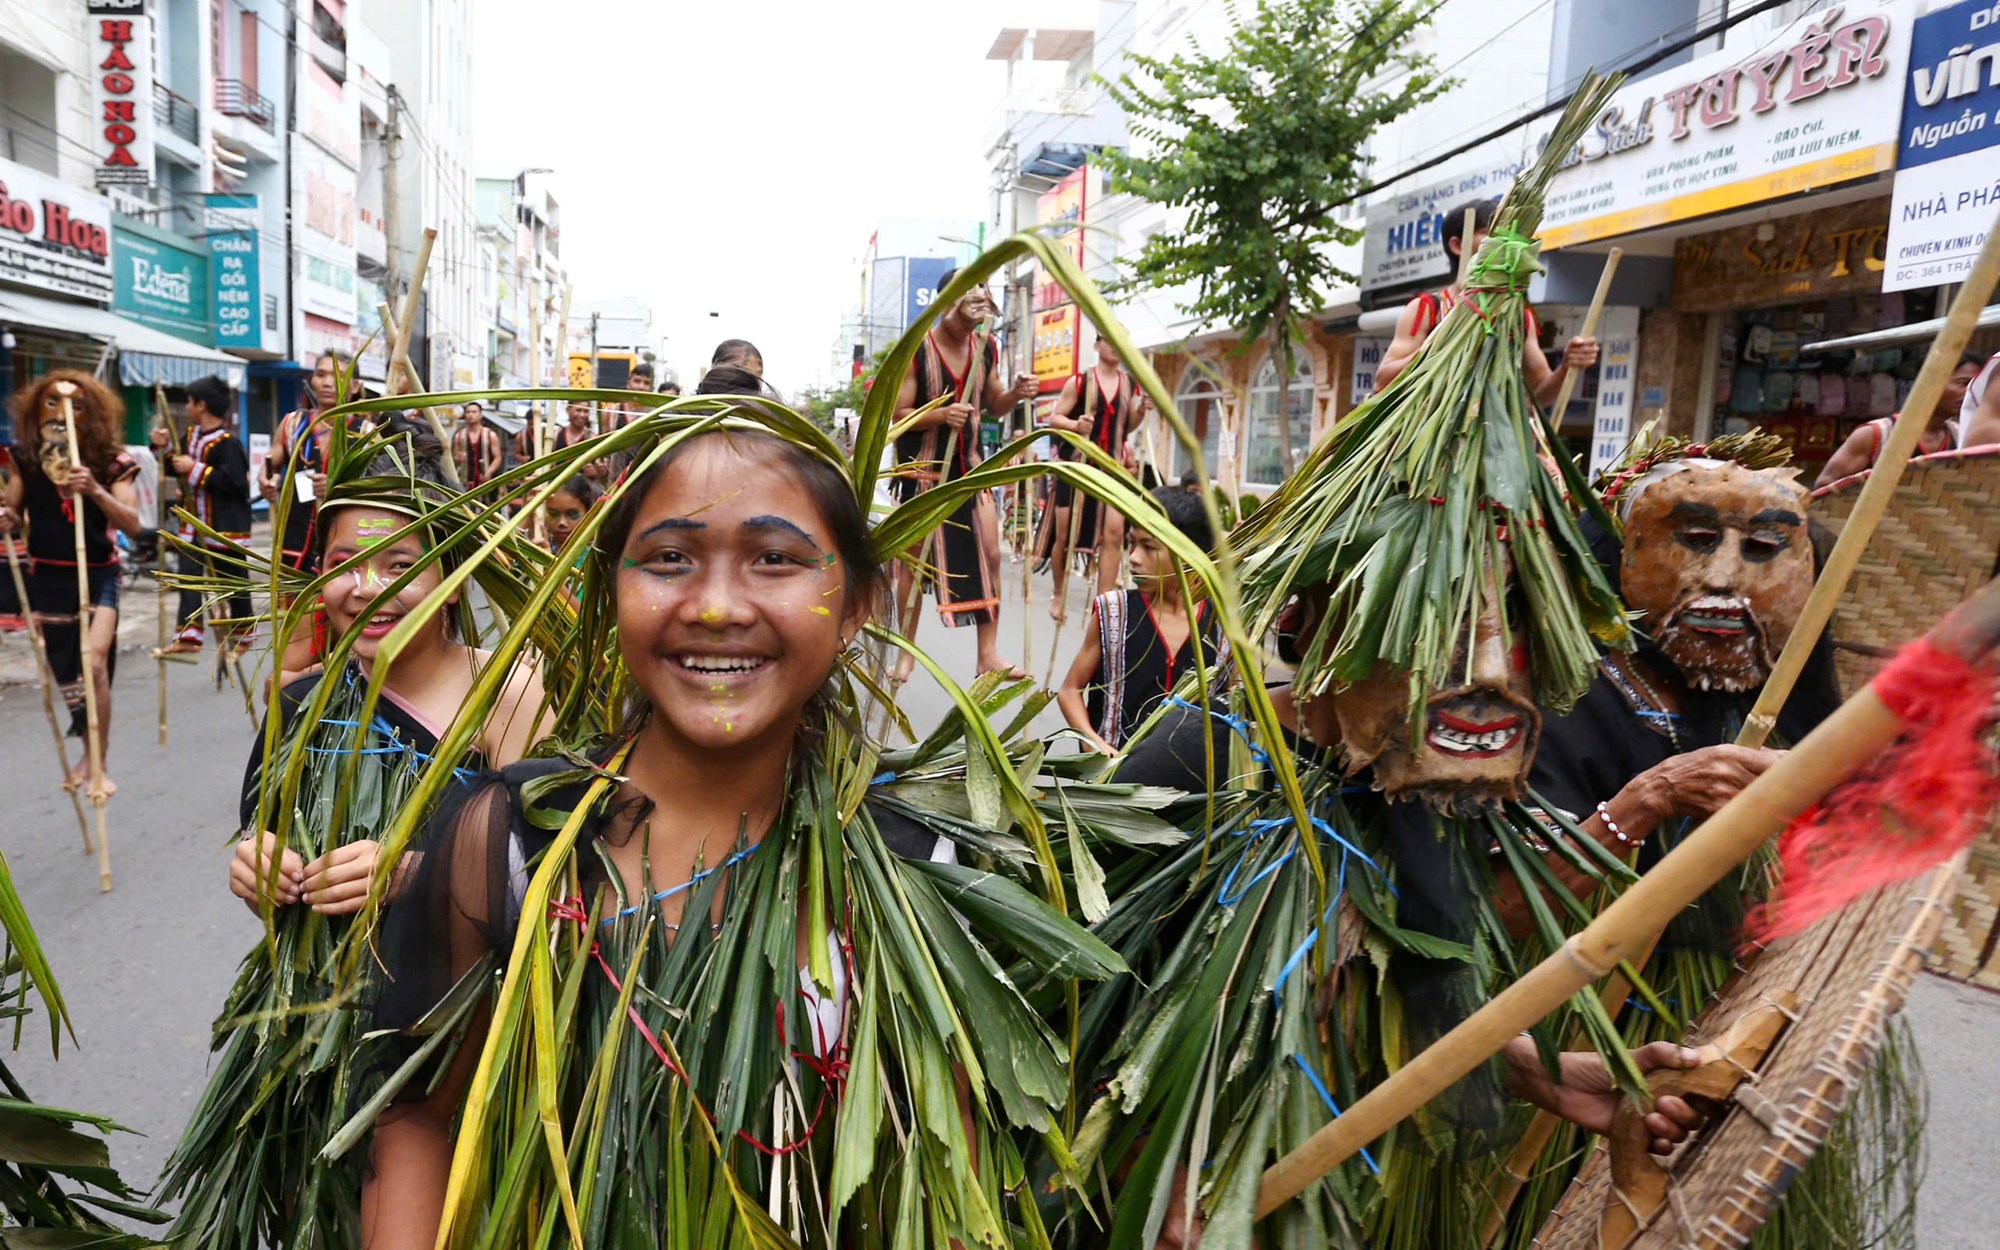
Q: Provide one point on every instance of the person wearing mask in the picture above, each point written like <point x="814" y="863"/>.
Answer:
<point x="1422" y="315"/>
<point x="44" y="489"/>
<point x="1864" y="447"/>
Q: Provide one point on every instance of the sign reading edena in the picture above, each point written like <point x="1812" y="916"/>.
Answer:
<point x="161" y="282"/>
<point x="1813" y="107"/>
<point x="121" y="91"/>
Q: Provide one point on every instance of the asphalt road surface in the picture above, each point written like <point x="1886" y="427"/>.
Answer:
<point x="144" y="968"/>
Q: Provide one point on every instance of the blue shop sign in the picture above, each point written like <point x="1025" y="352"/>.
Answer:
<point x="234" y="270"/>
<point x="160" y="280"/>
<point x="926" y="274"/>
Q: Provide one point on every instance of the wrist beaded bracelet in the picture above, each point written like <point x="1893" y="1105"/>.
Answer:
<point x="1604" y="812"/>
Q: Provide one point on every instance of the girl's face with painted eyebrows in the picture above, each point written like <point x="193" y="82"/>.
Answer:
<point x="732" y="605"/>
<point x="368" y="532"/>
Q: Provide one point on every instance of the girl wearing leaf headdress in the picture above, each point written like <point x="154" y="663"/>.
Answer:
<point x="742" y="1005"/>
<point x="331" y="775"/>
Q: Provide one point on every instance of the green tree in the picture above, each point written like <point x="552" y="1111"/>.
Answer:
<point x="1258" y="143"/>
<point x="820" y="402"/>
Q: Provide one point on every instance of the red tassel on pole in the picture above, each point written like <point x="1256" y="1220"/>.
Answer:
<point x="1921" y="802"/>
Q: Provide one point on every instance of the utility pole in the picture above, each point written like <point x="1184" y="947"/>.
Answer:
<point x="595" y="410"/>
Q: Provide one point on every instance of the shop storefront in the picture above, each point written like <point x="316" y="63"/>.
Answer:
<point x="1763" y="172"/>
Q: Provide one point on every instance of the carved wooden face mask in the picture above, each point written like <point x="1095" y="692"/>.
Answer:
<point x="1480" y="725"/>
<point x="1718" y="565"/>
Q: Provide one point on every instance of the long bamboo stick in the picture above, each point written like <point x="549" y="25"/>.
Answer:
<point x="1059" y="570"/>
<point x="48" y="688"/>
<point x="93" y="746"/>
<point x="163" y="411"/>
<point x="399" y="356"/>
<point x="535" y="522"/>
<point x="1589" y="331"/>
<point x="1844" y="743"/>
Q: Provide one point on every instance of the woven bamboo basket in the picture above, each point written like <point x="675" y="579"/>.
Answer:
<point x="1938" y="542"/>
<point x="1851" y="974"/>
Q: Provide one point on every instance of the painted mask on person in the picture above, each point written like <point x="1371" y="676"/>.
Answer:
<point x="1718" y="565"/>
<point x="1480" y="725"/>
<point x="53" y="451"/>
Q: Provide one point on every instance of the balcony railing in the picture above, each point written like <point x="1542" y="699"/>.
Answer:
<point x="236" y="98"/>
<point x="176" y="113"/>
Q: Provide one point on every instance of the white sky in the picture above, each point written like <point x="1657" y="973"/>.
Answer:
<point x="734" y="158"/>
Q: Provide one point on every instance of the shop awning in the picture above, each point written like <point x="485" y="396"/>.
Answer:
<point x="145" y="355"/>
<point x="1915" y="332"/>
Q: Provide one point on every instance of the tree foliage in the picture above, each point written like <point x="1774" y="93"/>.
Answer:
<point x="1257" y="141"/>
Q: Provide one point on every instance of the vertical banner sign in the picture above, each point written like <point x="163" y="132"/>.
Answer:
<point x="1948" y="154"/>
<point x="121" y="91"/>
<point x="1368" y="355"/>
<point x="1617" y="371"/>
<point x="231" y="222"/>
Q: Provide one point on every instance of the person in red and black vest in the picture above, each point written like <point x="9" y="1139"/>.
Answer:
<point x="476" y="447"/>
<point x="1864" y="447"/>
<point x="302" y="436"/>
<point x="964" y="570"/>
<point x="216" y="470"/>
<point x="46" y="489"/>
<point x="1115" y="407"/>
<point x="1422" y="314"/>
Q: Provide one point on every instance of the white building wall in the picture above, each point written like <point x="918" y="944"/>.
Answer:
<point x="51" y="33"/>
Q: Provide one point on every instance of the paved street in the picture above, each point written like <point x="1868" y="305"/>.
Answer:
<point x="145" y="968"/>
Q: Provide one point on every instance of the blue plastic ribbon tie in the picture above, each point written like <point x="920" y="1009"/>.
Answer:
<point x="1327" y="1098"/>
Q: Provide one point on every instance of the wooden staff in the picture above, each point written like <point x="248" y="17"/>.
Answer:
<point x="164" y="412"/>
<point x="399" y="356"/>
<point x="93" y="747"/>
<point x="1844" y="743"/>
<point x="1826" y="592"/>
<point x="1465" y="248"/>
<point x="1589" y="331"/>
<point x="562" y="356"/>
<point x="1062" y="568"/>
<point x="48" y="688"/>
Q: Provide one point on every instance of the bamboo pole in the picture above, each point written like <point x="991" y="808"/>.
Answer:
<point x="93" y="746"/>
<point x="1465" y="247"/>
<point x="535" y="522"/>
<point x="1589" y="331"/>
<point x="48" y="676"/>
<point x="164" y="412"/>
<point x="1060" y="569"/>
<point x="1843" y="744"/>
<point x="399" y="355"/>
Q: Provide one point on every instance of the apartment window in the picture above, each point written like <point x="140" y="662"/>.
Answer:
<point x="1200" y="399"/>
<point x="1263" y="453"/>
<point x="27" y="111"/>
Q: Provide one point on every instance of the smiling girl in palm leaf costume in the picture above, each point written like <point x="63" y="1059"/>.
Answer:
<point x="749" y="999"/>
<point x="1437" y="586"/>
<point x="332" y="776"/>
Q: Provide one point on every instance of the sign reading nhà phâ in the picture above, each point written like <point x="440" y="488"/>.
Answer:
<point x="1812" y="107"/>
<point x="1948" y="158"/>
<point x="121" y="91"/>
<point x="53" y="235"/>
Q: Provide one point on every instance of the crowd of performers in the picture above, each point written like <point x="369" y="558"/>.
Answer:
<point x="603" y="920"/>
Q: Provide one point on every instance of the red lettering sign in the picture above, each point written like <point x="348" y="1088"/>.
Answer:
<point x="17" y="216"/>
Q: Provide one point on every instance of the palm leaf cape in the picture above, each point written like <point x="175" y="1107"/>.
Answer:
<point x="1286" y="960"/>
<point x="57" y="1185"/>
<point x="637" y="1091"/>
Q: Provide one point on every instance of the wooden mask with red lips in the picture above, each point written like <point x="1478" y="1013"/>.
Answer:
<point x="1480" y="725"/>
<point x="1717" y="564"/>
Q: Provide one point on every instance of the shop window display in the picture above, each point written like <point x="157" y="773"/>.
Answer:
<point x="1814" y="400"/>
